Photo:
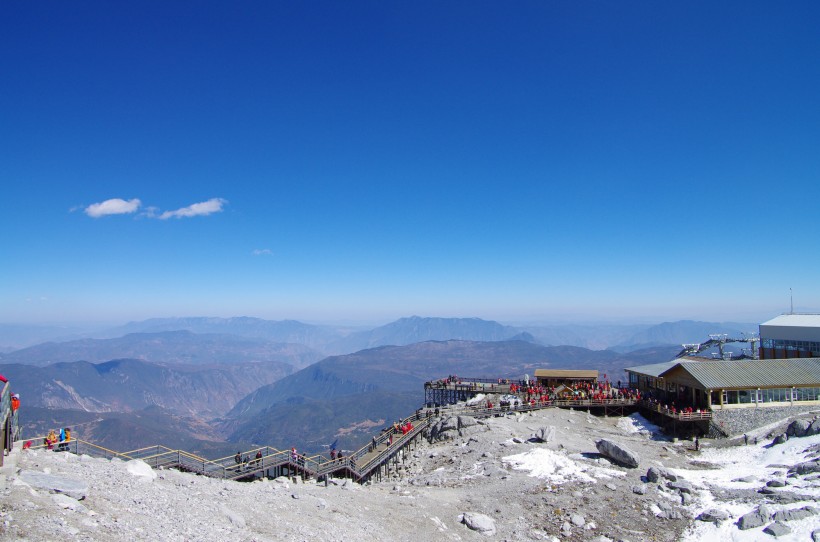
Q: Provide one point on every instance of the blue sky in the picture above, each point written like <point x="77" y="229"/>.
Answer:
<point x="364" y="161"/>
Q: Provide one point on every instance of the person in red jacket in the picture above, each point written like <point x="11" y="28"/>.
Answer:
<point x="15" y="401"/>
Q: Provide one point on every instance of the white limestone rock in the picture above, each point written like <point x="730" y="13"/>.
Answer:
<point x="58" y="484"/>
<point x="618" y="453"/>
<point x="478" y="522"/>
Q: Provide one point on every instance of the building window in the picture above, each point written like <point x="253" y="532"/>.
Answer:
<point x="811" y="348"/>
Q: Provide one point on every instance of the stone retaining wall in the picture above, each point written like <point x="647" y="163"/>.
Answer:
<point x="737" y="421"/>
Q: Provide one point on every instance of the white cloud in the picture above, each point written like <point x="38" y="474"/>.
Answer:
<point x="262" y="252"/>
<point x="115" y="206"/>
<point x="213" y="205"/>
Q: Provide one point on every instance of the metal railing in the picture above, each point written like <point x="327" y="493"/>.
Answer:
<point x="704" y="414"/>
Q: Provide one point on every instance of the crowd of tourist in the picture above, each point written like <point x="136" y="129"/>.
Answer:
<point x="670" y="409"/>
<point x="533" y="394"/>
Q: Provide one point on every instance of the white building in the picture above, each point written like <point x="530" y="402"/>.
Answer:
<point x="790" y="336"/>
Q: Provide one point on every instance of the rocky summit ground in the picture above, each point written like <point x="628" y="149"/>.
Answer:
<point x="539" y="476"/>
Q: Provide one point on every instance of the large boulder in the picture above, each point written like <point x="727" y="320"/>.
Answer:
<point x="545" y="434"/>
<point x="756" y="518"/>
<point x="814" y="428"/>
<point x="449" y="424"/>
<point x="713" y="515"/>
<point x="798" y="428"/>
<point x="654" y="474"/>
<point x="141" y="469"/>
<point x="444" y="429"/>
<point x="795" y="514"/>
<point x="777" y="529"/>
<point x="806" y="467"/>
<point x="467" y="425"/>
<point x="681" y="487"/>
<point x="618" y="453"/>
<point x="466" y="421"/>
<point x="478" y="522"/>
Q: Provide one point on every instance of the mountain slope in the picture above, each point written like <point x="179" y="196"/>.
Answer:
<point x="287" y="331"/>
<point x="417" y="329"/>
<point x="128" y="385"/>
<point x="122" y="431"/>
<point x="682" y="332"/>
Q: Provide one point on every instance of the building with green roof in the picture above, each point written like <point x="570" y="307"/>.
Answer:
<point x="712" y="384"/>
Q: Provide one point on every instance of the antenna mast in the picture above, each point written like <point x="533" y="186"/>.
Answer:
<point x="791" y="300"/>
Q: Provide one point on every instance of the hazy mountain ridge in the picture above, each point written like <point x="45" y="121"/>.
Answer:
<point x="203" y="340"/>
<point x="17" y="336"/>
<point x="282" y="331"/>
<point x="178" y="346"/>
<point x="683" y="332"/>
<point x="416" y="329"/>
<point x="592" y="336"/>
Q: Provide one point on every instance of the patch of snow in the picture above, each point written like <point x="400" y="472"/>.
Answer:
<point x="635" y="423"/>
<point x="476" y="400"/>
<point x="558" y="468"/>
<point x="740" y="461"/>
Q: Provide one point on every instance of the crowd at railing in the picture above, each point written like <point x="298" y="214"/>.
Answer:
<point x="492" y="385"/>
<point x="535" y="393"/>
<point x="686" y="413"/>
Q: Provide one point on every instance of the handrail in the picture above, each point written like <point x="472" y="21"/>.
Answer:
<point x="684" y="416"/>
<point x="496" y="381"/>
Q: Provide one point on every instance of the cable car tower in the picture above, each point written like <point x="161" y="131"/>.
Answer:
<point x="719" y="340"/>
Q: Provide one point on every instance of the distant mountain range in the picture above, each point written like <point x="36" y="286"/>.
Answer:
<point x="282" y="331"/>
<point x="205" y="340"/>
<point x="416" y="329"/>
<point x="180" y="346"/>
